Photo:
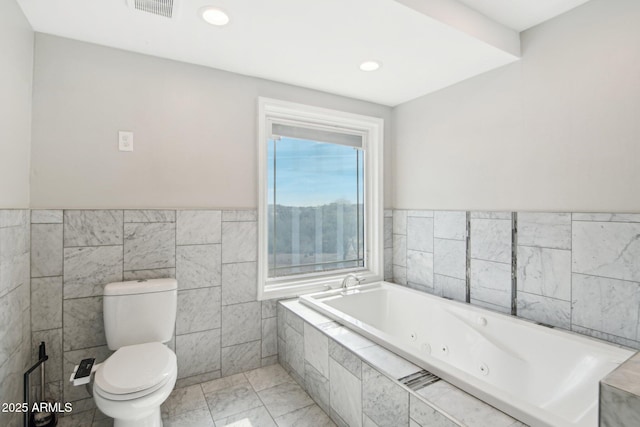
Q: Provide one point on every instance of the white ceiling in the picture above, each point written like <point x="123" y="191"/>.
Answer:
<point x="522" y="14"/>
<point x="314" y="43"/>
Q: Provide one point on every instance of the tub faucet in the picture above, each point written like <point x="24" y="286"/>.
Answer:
<point x="350" y="277"/>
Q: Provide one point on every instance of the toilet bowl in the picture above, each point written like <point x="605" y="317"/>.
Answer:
<point x="139" y="317"/>
<point x="131" y="385"/>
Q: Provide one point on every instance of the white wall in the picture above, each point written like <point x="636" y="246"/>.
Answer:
<point x="195" y="129"/>
<point x="557" y="131"/>
<point x="16" y="70"/>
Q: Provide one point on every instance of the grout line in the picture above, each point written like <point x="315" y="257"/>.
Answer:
<point x="605" y="222"/>
<point x="124" y="240"/>
<point x="46" y="277"/>
<point x="418" y="250"/>
<point x="62" y="337"/>
<point x="514" y="263"/>
<point x="236" y="303"/>
<point x="490" y="218"/>
<point x="545" y="296"/>
<point x="571" y="278"/>
<point x="260" y="398"/>
<point x="433" y="259"/>
<point x="489" y="260"/>
<point x="175" y="275"/>
<point x="362" y="362"/>
<point x="198" y="244"/>
<point x="606" y="277"/>
<point x="448" y="239"/>
<point x="31" y="331"/>
<point x="542" y="247"/>
<point x="492" y="306"/>
<point x="468" y="258"/>
<point x="264" y="406"/>
<point x="92" y="246"/>
<point x="231" y="345"/>
<point x="207" y="402"/>
<point x="448" y="276"/>
<point x="604" y="333"/>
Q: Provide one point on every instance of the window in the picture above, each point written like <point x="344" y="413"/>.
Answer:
<point x="320" y="213"/>
<point x="315" y="208"/>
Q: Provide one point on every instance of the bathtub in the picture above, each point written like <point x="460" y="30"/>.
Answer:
<point x="539" y="375"/>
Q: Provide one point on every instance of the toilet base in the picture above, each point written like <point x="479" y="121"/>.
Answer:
<point x="152" y="420"/>
<point x="141" y="411"/>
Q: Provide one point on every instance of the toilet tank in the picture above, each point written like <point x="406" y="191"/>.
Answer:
<point x="139" y="311"/>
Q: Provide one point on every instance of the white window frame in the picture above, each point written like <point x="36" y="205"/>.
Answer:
<point x="372" y="129"/>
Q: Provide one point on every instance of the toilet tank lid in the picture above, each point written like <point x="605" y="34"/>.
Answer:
<point x="140" y="286"/>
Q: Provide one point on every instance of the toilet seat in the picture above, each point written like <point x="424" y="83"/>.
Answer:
<point x="135" y="371"/>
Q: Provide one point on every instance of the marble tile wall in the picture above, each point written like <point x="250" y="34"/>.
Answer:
<point x="429" y="251"/>
<point x="221" y="328"/>
<point x="575" y="271"/>
<point x="544" y="268"/>
<point x="388" y="244"/>
<point x="419" y="255"/>
<point x="399" y="248"/>
<point x="490" y="275"/>
<point x="605" y="266"/>
<point x="15" y="313"/>
<point x="450" y="247"/>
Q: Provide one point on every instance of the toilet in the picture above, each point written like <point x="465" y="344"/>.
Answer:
<point x="139" y="317"/>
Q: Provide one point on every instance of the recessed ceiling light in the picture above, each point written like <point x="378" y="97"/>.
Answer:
<point x="215" y="16"/>
<point x="370" y="65"/>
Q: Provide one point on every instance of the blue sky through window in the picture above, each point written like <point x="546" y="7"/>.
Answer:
<point x="310" y="173"/>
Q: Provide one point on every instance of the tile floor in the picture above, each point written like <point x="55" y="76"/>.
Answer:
<point x="264" y="397"/>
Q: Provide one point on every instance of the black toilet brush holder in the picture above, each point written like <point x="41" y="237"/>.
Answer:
<point x="44" y="416"/>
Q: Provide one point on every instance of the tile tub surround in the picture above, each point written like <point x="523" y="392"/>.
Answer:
<point x="576" y="271"/>
<point x="620" y="395"/>
<point x="360" y="386"/>
<point x="221" y="329"/>
<point x="15" y="312"/>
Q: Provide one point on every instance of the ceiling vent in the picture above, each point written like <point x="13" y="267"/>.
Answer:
<point x="156" y="7"/>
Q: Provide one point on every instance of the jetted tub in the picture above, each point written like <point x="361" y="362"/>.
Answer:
<point x="539" y="375"/>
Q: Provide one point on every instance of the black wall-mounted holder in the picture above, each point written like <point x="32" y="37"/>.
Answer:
<point x="44" y="418"/>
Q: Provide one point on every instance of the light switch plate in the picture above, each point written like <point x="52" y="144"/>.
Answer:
<point x="125" y="141"/>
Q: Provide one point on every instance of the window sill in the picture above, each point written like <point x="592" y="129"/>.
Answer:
<point x="292" y="288"/>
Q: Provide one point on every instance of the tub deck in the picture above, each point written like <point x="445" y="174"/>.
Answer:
<point x="541" y="376"/>
<point x="375" y="369"/>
